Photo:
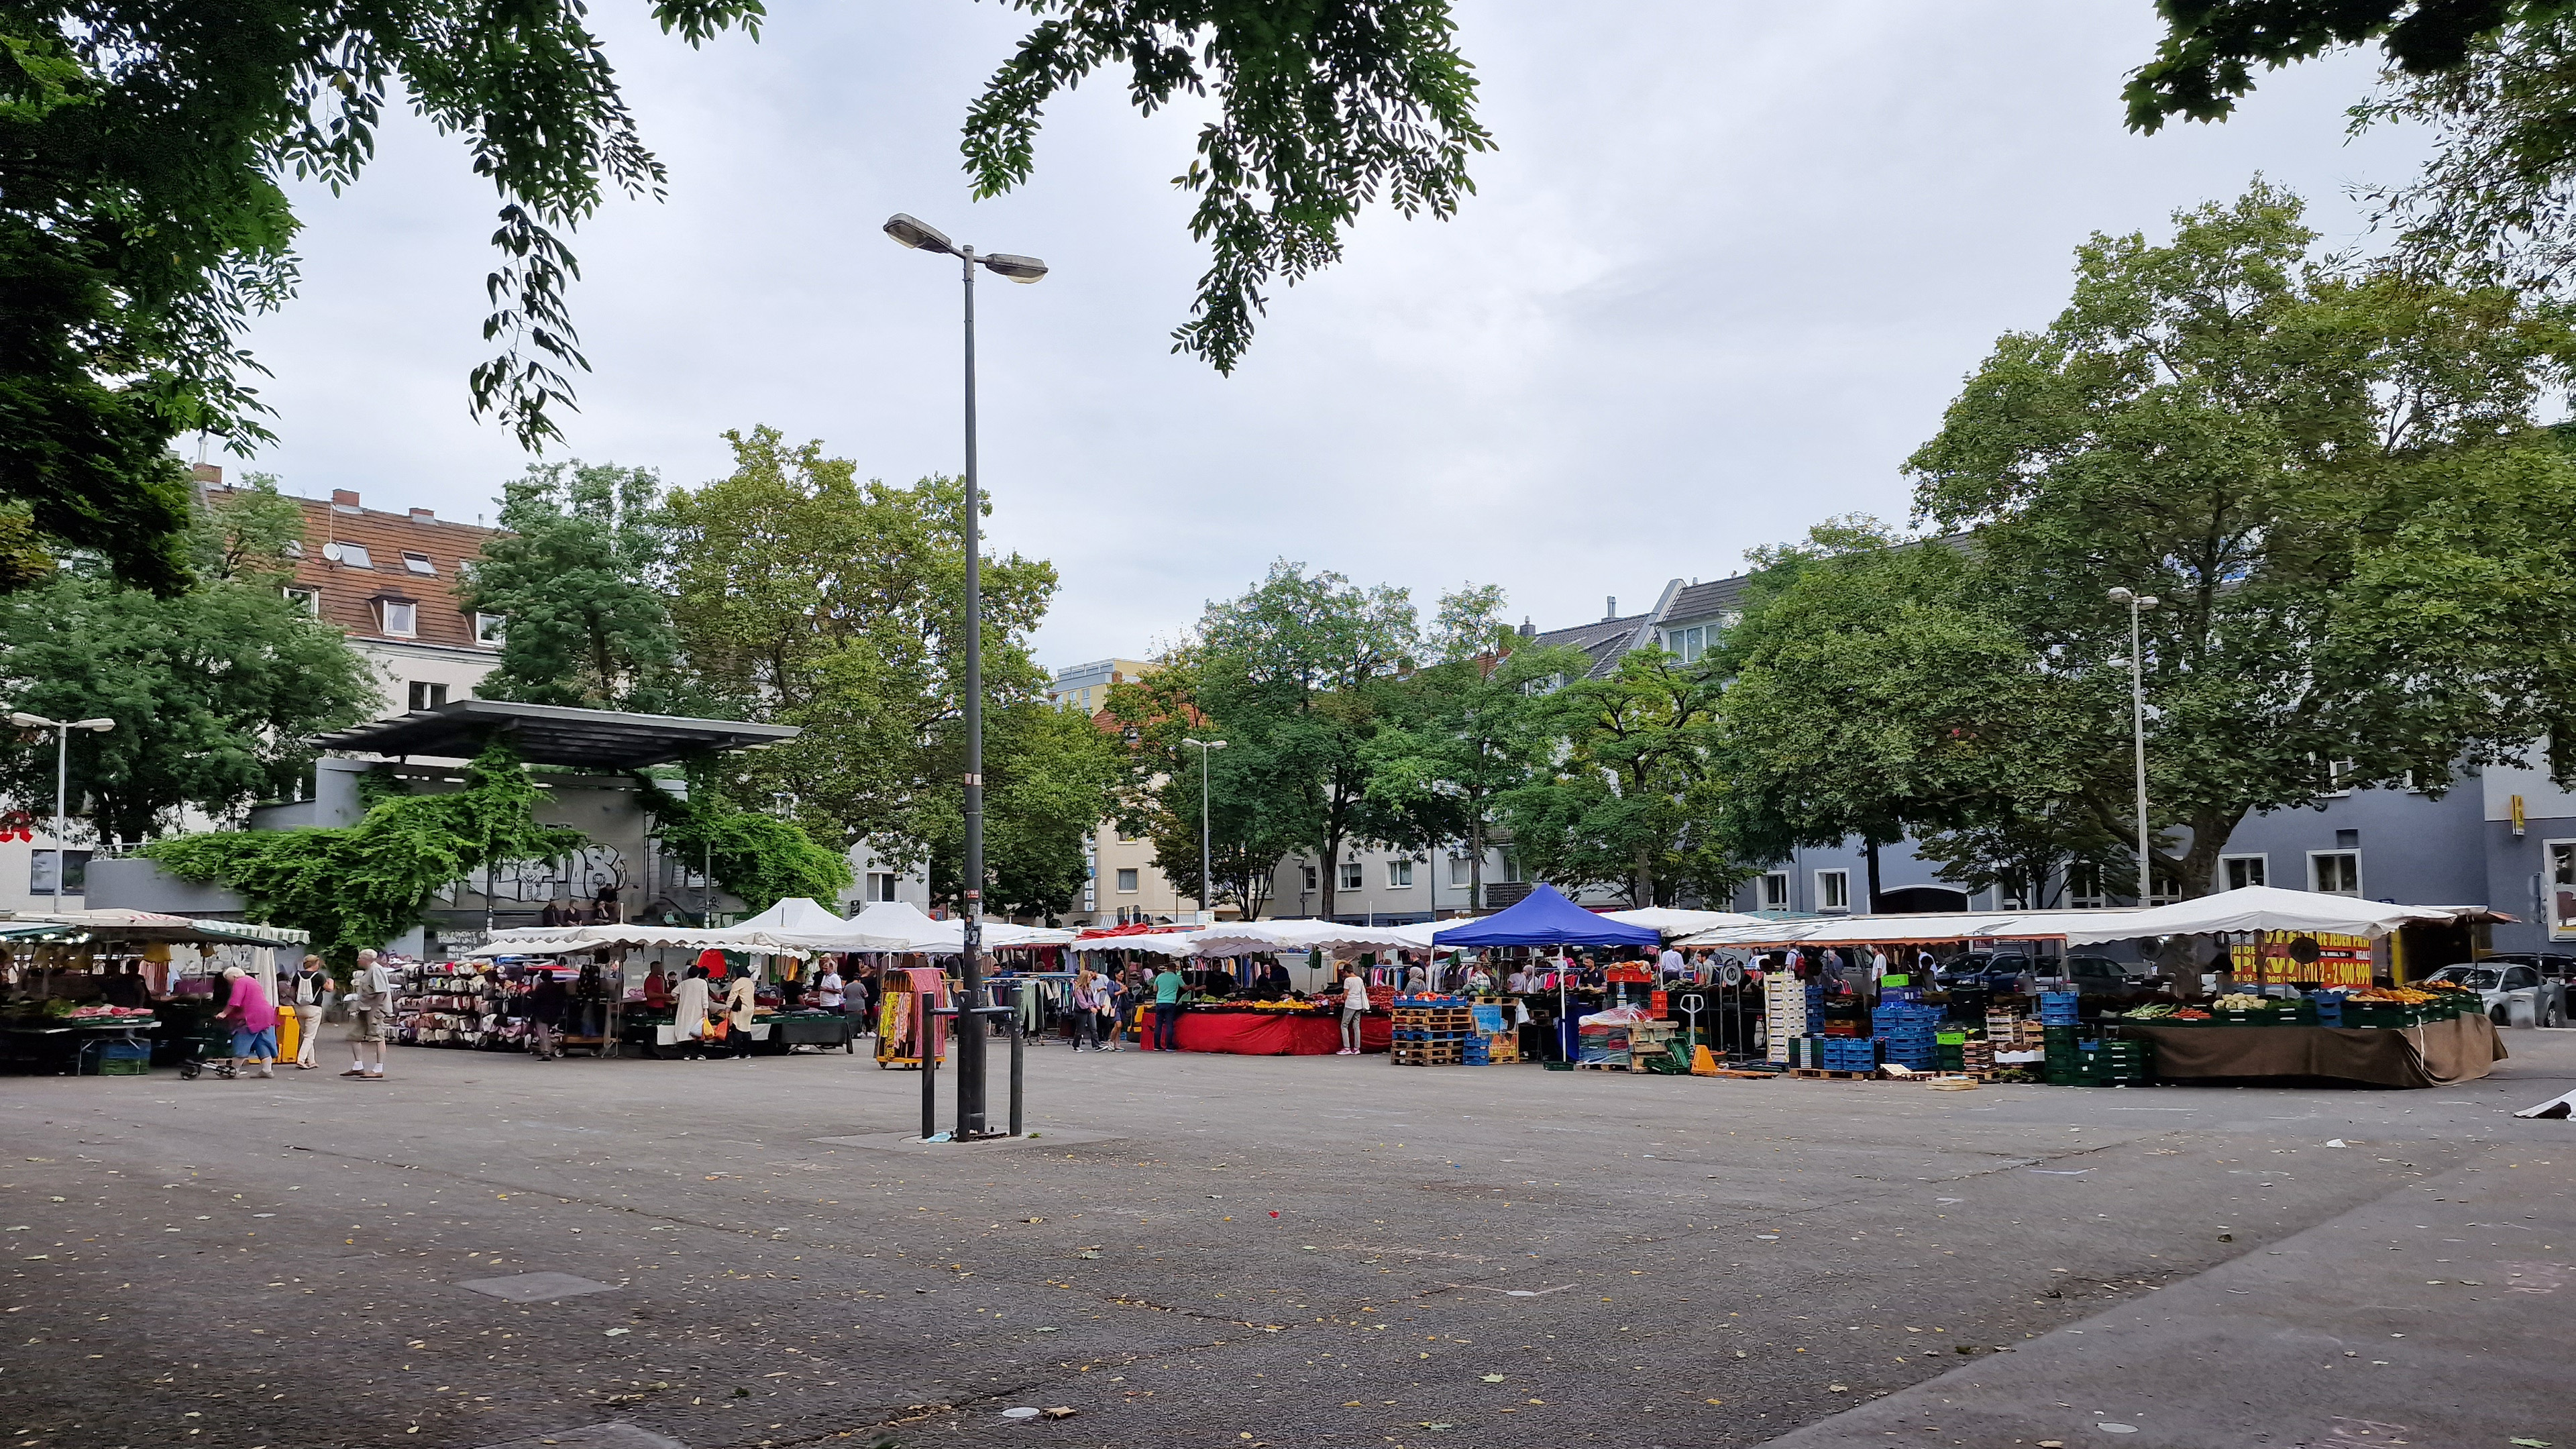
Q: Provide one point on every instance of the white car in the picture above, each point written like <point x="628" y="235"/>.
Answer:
<point x="2514" y="994"/>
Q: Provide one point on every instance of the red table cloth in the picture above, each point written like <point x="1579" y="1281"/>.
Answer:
<point x="1270" y="1034"/>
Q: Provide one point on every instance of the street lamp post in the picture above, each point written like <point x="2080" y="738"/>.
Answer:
<point x="920" y="236"/>
<point x="62" y="778"/>
<point x="1206" y="906"/>
<point x="2138" y="605"/>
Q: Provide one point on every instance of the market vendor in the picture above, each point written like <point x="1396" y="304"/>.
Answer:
<point x="657" y="989"/>
<point x="127" y="988"/>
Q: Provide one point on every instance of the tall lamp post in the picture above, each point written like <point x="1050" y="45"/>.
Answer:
<point x="920" y="236"/>
<point x="62" y="777"/>
<point x="1206" y="906"/>
<point x="2138" y="605"/>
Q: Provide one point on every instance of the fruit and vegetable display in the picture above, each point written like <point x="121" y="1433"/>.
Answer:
<point x="2242" y="1001"/>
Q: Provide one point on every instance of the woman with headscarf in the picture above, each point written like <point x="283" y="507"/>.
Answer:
<point x="689" y="1014"/>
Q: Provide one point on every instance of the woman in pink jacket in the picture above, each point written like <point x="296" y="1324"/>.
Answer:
<point x="254" y="1022"/>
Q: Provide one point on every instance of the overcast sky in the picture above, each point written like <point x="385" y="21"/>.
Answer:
<point x="1725" y="270"/>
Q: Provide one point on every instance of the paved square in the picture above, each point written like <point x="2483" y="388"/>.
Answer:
<point x="1312" y="1251"/>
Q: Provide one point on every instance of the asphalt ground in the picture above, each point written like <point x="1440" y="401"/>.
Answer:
<point x="1245" y="1252"/>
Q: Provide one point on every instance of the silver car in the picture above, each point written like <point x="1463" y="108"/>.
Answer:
<point x="2515" y="995"/>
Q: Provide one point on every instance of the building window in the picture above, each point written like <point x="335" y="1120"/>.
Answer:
<point x="2246" y="870"/>
<point x="2084" y="888"/>
<point x="349" y="555"/>
<point x="2562" y="889"/>
<point x="2163" y="889"/>
<point x="1350" y="878"/>
<point x="1833" y="890"/>
<point x="1399" y="875"/>
<point x="2339" y="775"/>
<point x="1127" y="880"/>
<point x="1310" y="876"/>
<point x="880" y="886"/>
<point x="1775" y="891"/>
<point x="492" y="630"/>
<point x="308" y="600"/>
<point x="419" y="563"/>
<point x="2335" y="872"/>
<point x="40" y="872"/>
<point x="425" y="695"/>
<point x="1458" y="870"/>
<point x="292" y="548"/>
<point x="397" y="617"/>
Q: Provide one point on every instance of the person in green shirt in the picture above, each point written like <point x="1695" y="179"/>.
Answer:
<point x="1167" y="1009"/>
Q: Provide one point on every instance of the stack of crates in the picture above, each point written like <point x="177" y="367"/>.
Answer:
<point x="2329" y="1005"/>
<point x="1906" y="1030"/>
<point x="2065" y="1060"/>
<point x="1834" y="1053"/>
<point x="125" y="1059"/>
<point x="1784" y="1015"/>
<point x="1950" y="1049"/>
<point x="1432" y="1031"/>
<point x="2119" y="1063"/>
<point x="2005" y="1032"/>
<point x="2058" y="1008"/>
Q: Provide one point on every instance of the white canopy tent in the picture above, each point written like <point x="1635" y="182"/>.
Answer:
<point x="1159" y="943"/>
<point x="1928" y="926"/>
<point x="1672" y="921"/>
<point x="2264" y="908"/>
<point x="1236" y="938"/>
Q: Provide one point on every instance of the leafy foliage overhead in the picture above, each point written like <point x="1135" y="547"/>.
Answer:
<point x="359" y="886"/>
<point x="2212" y="47"/>
<point x="575" y="581"/>
<point x="1323" y="107"/>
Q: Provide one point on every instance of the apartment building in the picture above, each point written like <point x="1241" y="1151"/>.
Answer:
<point x="2501" y="837"/>
<point x="389" y="581"/>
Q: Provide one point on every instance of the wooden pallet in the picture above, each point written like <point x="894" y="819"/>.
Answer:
<point x="1440" y="1056"/>
<point x="1823" y="1075"/>
<point x="1627" y="1066"/>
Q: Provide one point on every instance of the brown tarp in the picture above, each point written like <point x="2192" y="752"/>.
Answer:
<point x="2458" y="1050"/>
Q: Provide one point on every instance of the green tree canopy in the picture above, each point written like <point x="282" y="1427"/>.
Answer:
<point x="1632" y="800"/>
<point x="2251" y="434"/>
<point x="803" y="596"/>
<point x="575" y="581"/>
<point x="213" y="690"/>
<point x="1293" y="674"/>
<point x="1253" y="820"/>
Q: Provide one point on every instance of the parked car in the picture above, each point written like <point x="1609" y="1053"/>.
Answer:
<point x="1992" y="970"/>
<point x="2102" y="976"/>
<point x="2503" y="985"/>
<point x="2553" y="965"/>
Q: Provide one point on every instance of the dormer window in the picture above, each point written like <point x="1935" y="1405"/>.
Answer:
<point x="294" y="548"/>
<point x="307" y="600"/>
<point x="491" y="630"/>
<point x="398" y="617"/>
<point x="419" y="563"/>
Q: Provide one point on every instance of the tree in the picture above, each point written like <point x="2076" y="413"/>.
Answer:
<point x="144" y="223"/>
<point x="2246" y="433"/>
<point x="758" y="859"/>
<point x="358" y="887"/>
<point x="213" y="690"/>
<point x="1461" y="735"/>
<point x="804" y="597"/>
<point x="1874" y="697"/>
<point x="573" y="580"/>
<point x="2211" y="47"/>
<point x="1293" y="674"/>
<point x="1632" y="799"/>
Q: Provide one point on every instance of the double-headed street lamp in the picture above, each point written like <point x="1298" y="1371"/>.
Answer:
<point x="920" y="236"/>
<point x="1203" y="746"/>
<point x="62" y="776"/>
<point x="2138" y="605"/>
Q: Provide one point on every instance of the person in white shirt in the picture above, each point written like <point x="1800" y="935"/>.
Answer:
<point x="1355" y="1005"/>
<point x="1877" y="972"/>
<point x="830" y="991"/>
<point x="1669" y="965"/>
<point x="371" y="1009"/>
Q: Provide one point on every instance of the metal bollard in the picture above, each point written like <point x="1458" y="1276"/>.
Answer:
<point x="1019" y="1121"/>
<point x="928" y="1048"/>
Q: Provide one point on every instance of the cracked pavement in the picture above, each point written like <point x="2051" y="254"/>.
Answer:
<point x="1249" y="1251"/>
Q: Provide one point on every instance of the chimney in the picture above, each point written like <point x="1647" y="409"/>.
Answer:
<point x="1612" y="606"/>
<point x="344" y="500"/>
<point x="423" y="515"/>
<point x="209" y="475"/>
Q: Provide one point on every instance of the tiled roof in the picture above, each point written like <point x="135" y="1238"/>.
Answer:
<point x="1605" y="641"/>
<point x="1700" y="601"/>
<point x="349" y="595"/>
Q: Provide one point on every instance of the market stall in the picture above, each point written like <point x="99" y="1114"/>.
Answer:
<point x="1545" y="919"/>
<point x="108" y="992"/>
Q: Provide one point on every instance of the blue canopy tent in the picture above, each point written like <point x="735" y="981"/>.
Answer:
<point x="1545" y="918"/>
